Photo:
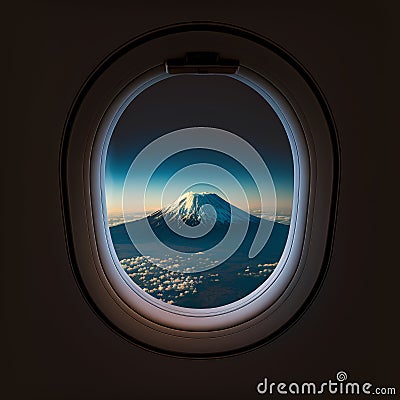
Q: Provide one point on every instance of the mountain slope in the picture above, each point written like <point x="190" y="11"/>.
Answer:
<point x="236" y="276"/>
<point x="190" y="210"/>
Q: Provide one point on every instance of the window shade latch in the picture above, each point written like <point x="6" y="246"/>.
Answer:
<point x="201" y="63"/>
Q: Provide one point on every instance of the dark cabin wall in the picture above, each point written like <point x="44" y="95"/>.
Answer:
<point x="54" y="346"/>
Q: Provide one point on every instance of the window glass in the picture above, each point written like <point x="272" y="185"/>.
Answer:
<point x="199" y="190"/>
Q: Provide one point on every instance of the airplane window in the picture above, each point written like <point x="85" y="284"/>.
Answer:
<point x="199" y="187"/>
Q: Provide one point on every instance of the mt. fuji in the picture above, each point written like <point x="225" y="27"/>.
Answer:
<point x="189" y="213"/>
<point x="213" y="217"/>
<point x="192" y="208"/>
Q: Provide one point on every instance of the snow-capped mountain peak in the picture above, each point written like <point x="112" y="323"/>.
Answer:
<point x="193" y="208"/>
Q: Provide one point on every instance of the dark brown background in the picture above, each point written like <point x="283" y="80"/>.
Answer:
<point x="54" y="346"/>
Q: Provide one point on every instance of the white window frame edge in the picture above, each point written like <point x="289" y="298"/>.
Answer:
<point x="267" y="293"/>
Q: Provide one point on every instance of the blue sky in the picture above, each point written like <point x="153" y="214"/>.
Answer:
<point x="116" y="174"/>
<point x="194" y="101"/>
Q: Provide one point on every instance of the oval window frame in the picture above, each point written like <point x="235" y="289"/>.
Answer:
<point x="263" y="296"/>
<point x="144" y="321"/>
